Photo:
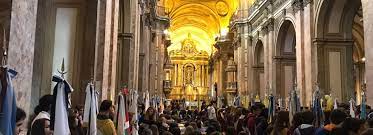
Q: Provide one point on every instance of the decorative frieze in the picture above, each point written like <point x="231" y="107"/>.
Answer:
<point x="300" y="4"/>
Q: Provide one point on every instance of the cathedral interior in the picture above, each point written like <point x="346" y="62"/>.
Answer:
<point x="190" y="50"/>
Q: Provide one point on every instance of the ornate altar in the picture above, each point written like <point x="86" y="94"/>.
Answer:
<point x="190" y="72"/>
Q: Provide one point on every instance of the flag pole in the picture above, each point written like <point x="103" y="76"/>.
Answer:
<point x="62" y="71"/>
<point x="5" y="53"/>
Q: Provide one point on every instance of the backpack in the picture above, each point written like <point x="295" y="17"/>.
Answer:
<point x="307" y="131"/>
<point x="322" y="131"/>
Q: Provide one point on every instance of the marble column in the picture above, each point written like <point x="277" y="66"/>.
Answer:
<point x="271" y="39"/>
<point x="21" y="49"/>
<point x="250" y="66"/>
<point x="135" y="44"/>
<point x="299" y="35"/>
<point x="266" y="45"/>
<point x="368" y="42"/>
<point x="310" y="54"/>
<point x="106" y="48"/>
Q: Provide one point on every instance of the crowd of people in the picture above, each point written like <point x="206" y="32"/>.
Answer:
<point x="175" y="119"/>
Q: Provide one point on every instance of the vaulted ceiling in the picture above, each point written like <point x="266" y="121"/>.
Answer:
<point x="203" y="19"/>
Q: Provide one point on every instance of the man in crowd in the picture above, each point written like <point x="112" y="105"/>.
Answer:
<point x="336" y="118"/>
<point x="105" y="125"/>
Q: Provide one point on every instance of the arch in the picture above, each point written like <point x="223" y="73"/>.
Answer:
<point x="339" y="43"/>
<point x="259" y="53"/>
<point x="286" y="40"/>
<point x="334" y="18"/>
<point x="285" y="57"/>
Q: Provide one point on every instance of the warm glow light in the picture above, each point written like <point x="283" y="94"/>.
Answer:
<point x="224" y="32"/>
<point x="363" y="59"/>
<point x="165" y="32"/>
<point x="204" y="20"/>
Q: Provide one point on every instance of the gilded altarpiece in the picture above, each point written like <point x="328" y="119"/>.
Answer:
<point x="190" y="72"/>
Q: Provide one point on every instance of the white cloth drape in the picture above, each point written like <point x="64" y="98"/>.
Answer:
<point x="352" y="108"/>
<point x="122" y="121"/>
<point x="90" y="109"/>
<point x="61" y="123"/>
<point x="147" y="101"/>
<point x="133" y="110"/>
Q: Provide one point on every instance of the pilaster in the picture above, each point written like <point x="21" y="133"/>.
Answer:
<point x="21" y="49"/>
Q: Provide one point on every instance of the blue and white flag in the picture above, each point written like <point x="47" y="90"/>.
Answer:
<point x="133" y="109"/>
<point x="90" y="109"/>
<point x="363" y="109"/>
<point x="271" y="108"/>
<point x="335" y="106"/>
<point x="294" y="103"/>
<point x="352" y="108"/>
<point x="317" y="109"/>
<point x="8" y="103"/>
<point x="237" y="101"/>
<point x="121" y="120"/>
<point x="147" y="101"/>
<point x="59" y="121"/>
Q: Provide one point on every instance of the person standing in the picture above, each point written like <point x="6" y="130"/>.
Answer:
<point x="105" y="125"/>
<point x="211" y="111"/>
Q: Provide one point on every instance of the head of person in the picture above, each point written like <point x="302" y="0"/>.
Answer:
<point x="154" y="129"/>
<point x="256" y="109"/>
<point x="167" y="133"/>
<point x="45" y="104"/>
<point x="175" y="130"/>
<point x="354" y="126"/>
<point x="20" y="119"/>
<point x="150" y="111"/>
<point x="370" y="122"/>
<point x="282" y="120"/>
<point x="194" y="125"/>
<point x="369" y="131"/>
<point x="337" y="116"/>
<point x="41" y="127"/>
<point x="307" y="117"/>
<point x="73" y="118"/>
<point x="106" y="108"/>
<point x="80" y="109"/>
<point x="297" y="120"/>
<point x="189" y="130"/>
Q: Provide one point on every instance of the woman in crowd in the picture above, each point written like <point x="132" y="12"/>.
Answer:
<point x="350" y="126"/>
<point x="75" y="124"/>
<point x="20" y="119"/>
<point x="41" y="127"/>
<point x="150" y="116"/>
<point x="281" y="124"/>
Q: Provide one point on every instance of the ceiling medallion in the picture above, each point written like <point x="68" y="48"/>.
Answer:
<point x="222" y="8"/>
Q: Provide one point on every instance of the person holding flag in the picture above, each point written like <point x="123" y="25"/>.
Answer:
<point x="317" y="108"/>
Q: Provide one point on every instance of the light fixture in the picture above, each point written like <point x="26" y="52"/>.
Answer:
<point x="224" y="32"/>
<point x="363" y="59"/>
<point x="165" y="32"/>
